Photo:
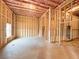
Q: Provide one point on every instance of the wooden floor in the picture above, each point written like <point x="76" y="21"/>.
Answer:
<point x="37" y="48"/>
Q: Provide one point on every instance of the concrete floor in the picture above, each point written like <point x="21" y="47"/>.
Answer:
<point x="37" y="48"/>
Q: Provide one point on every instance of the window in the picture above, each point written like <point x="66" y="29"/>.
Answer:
<point x="8" y="30"/>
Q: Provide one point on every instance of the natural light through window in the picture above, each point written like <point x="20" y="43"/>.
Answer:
<point x="8" y="30"/>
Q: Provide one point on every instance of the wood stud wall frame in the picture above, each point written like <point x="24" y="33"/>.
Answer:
<point x="5" y="17"/>
<point x="65" y="8"/>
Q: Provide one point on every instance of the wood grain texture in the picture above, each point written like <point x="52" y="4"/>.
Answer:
<point x="5" y="17"/>
<point x="41" y="6"/>
<point x="37" y="48"/>
<point x="27" y="26"/>
<point x="43" y="25"/>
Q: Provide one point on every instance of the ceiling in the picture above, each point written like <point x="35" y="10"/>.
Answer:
<point x="76" y="13"/>
<point x="32" y="7"/>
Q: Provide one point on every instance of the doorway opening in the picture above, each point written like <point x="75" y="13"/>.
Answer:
<point x="68" y="30"/>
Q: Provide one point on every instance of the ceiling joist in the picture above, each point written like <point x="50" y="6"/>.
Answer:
<point x="34" y="3"/>
<point x="42" y="3"/>
<point x="32" y="7"/>
<point x="55" y="2"/>
<point x="21" y="8"/>
<point x="13" y="4"/>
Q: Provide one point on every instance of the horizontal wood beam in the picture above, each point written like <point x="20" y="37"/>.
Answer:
<point x="27" y="13"/>
<point x="43" y="3"/>
<point x="34" y="3"/>
<point x="14" y="5"/>
<point x="55" y="2"/>
<point x="19" y="11"/>
<point x="25" y="9"/>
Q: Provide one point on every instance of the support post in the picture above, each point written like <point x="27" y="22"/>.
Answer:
<point x="49" y="24"/>
<point x="59" y="24"/>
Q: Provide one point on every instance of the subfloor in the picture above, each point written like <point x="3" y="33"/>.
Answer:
<point x="38" y="48"/>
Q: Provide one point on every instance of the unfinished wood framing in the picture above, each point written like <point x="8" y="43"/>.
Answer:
<point x="27" y="26"/>
<point x="49" y="24"/>
<point x="61" y="18"/>
<point x="5" y="17"/>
